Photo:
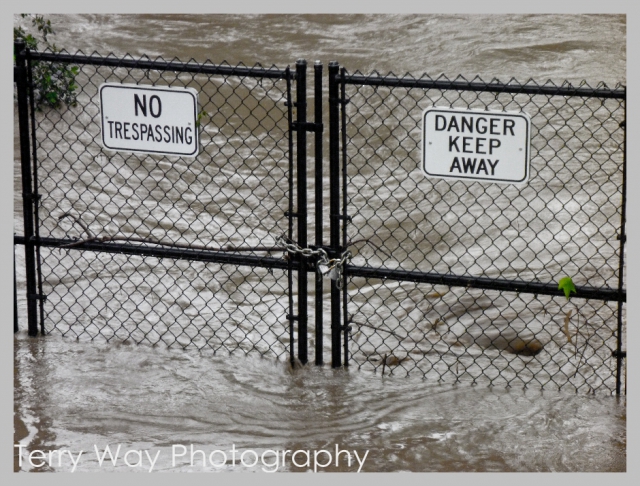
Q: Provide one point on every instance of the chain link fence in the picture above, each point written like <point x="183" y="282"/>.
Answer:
<point x="127" y="238"/>
<point x="567" y="220"/>
<point x="453" y="280"/>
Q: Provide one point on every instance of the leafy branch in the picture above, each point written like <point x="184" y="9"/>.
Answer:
<point x="53" y="83"/>
<point x="566" y="284"/>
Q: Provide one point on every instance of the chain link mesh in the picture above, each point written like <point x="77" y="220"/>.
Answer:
<point x="148" y="300"/>
<point x="565" y="221"/>
<point x="237" y="196"/>
<point x="233" y="194"/>
<point x="482" y="336"/>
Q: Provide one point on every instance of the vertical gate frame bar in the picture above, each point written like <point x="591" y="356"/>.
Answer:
<point x="15" y="292"/>
<point x="27" y="186"/>
<point x="290" y="315"/>
<point x="345" y="218"/>
<point x="318" y="105"/>
<point x="619" y="354"/>
<point x="334" y="206"/>
<point x="301" y="175"/>
<point x="36" y="201"/>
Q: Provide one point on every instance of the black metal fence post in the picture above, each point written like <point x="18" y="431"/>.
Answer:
<point x="344" y="216"/>
<point x="319" y="190"/>
<point x="15" y="293"/>
<point x="620" y="355"/>
<point x="27" y="185"/>
<point x="301" y="142"/>
<point x="290" y="316"/>
<point x="36" y="202"/>
<point x="334" y="207"/>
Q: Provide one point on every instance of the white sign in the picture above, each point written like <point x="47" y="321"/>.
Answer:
<point x="476" y="145"/>
<point x="154" y="120"/>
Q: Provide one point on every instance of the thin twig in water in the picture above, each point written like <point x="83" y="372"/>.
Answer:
<point x="81" y="223"/>
<point x="586" y="340"/>
<point x="380" y="329"/>
<point x="91" y="237"/>
<point x="565" y="329"/>
<point x="188" y="246"/>
<point x="369" y="242"/>
<point x="137" y="239"/>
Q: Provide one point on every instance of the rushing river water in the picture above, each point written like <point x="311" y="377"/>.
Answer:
<point x="79" y="395"/>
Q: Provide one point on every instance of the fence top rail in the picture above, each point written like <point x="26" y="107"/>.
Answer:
<point x="144" y="62"/>
<point x="477" y="84"/>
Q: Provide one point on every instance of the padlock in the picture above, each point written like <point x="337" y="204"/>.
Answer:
<point x="333" y="273"/>
<point x="323" y="269"/>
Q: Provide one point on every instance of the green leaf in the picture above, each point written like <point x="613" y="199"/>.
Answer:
<point x="53" y="83"/>
<point x="52" y="98"/>
<point x="202" y="114"/>
<point x="566" y="284"/>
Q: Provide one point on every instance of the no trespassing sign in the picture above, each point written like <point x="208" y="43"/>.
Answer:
<point x="149" y="119"/>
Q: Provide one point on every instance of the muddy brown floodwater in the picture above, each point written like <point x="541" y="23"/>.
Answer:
<point x="77" y="396"/>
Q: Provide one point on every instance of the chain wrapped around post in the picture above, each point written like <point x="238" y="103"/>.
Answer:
<point x="332" y="268"/>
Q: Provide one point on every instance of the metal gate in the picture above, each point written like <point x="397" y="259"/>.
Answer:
<point x="156" y="249"/>
<point x="457" y="280"/>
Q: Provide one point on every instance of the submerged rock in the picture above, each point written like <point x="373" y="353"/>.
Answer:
<point x="515" y="337"/>
<point x="525" y="348"/>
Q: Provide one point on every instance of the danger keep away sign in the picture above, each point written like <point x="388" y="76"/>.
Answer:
<point x="476" y="145"/>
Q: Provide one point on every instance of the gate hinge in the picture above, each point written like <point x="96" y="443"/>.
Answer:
<point x="32" y="196"/>
<point x="347" y="326"/>
<point x="308" y="126"/>
<point x="292" y="318"/>
<point x="622" y="238"/>
<point x="621" y="354"/>
<point x="38" y="297"/>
